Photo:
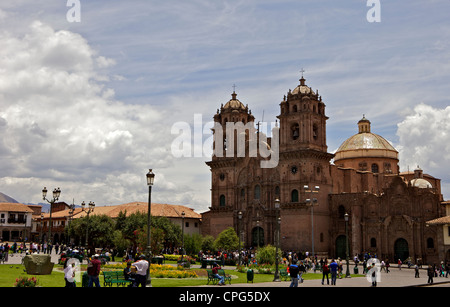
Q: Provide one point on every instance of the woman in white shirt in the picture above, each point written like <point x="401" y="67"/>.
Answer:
<point x="69" y="275"/>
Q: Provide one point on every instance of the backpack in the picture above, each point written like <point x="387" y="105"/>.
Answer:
<point x="326" y="269"/>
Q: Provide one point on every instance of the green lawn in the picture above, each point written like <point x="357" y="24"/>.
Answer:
<point x="9" y="273"/>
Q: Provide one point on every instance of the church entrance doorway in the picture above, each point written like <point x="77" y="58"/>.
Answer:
<point x="341" y="247"/>
<point x="401" y="250"/>
<point x="257" y="236"/>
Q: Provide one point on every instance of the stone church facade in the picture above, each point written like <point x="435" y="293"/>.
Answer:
<point x="387" y="210"/>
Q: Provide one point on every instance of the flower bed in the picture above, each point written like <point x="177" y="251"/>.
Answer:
<point x="259" y="268"/>
<point x="25" y="282"/>
<point x="158" y="270"/>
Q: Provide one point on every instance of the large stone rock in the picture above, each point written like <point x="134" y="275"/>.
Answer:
<point x="38" y="264"/>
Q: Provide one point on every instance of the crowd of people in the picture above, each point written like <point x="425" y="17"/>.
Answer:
<point x="297" y="263"/>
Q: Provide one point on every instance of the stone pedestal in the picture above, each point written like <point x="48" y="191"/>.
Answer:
<point x="38" y="264"/>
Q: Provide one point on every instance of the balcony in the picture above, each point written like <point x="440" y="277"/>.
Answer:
<point x="16" y="221"/>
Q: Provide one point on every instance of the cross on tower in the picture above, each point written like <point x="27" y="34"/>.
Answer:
<point x="302" y="71"/>
<point x="234" y="87"/>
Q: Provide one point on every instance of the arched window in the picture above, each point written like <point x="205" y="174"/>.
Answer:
<point x="430" y="243"/>
<point x="257" y="192"/>
<point x="222" y="200"/>
<point x="374" y="168"/>
<point x="295" y="130"/>
<point x="243" y="193"/>
<point x="277" y="191"/>
<point x="315" y="132"/>
<point x="341" y="211"/>
<point x="294" y="196"/>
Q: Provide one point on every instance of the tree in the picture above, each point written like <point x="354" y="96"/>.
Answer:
<point x="134" y="229"/>
<point x="193" y="243"/>
<point x="208" y="243"/>
<point x="227" y="240"/>
<point x="100" y="230"/>
<point x="267" y="254"/>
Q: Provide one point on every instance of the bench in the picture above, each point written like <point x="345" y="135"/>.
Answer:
<point x="284" y="274"/>
<point x="226" y="277"/>
<point x="114" y="277"/>
<point x="318" y="267"/>
<point x="211" y="277"/>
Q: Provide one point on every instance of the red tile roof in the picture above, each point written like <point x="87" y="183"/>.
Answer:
<point x="15" y="207"/>
<point x="133" y="207"/>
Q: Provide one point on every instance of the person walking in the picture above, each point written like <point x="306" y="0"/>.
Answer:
<point x="93" y="271"/>
<point x="442" y="269"/>
<point x="416" y="269"/>
<point x="430" y="272"/>
<point x="374" y="274"/>
<point x="447" y="269"/>
<point x="325" y="272"/>
<point x="333" y="271"/>
<point x="142" y="267"/>
<point x="69" y="274"/>
<point x="294" y="273"/>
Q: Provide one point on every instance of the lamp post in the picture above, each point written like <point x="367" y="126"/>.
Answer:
<point x="312" y="202"/>
<point x="239" y="235"/>
<point x="56" y="194"/>
<point x="347" y="274"/>
<point x="257" y="234"/>
<point x="71" y="211"/>
<point x="42" y="225"/>
<point x="277" y="207"/>
<point x="150" y="181"/>
<point x="88" y="211"/>
<point x="182" y="235"/>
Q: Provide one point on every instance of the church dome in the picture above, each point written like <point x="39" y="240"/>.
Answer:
<point x="234" y="103"/>
<point x="365" y="144"/>
<point x="303" y="89"/>
<point x="419" y="181"/>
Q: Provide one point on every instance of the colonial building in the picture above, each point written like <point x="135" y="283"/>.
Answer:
<point x="15" y="222"/>
<point x="62" y="214"/>
<point x="387" y="210"/>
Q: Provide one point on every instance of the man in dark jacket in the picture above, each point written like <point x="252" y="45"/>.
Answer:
<point x="93" y="271"/>
<point x="293" y="272"/>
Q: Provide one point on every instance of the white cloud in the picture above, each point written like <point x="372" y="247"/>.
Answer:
<point x="424" y="140"/>
<point x="60" y="125"/>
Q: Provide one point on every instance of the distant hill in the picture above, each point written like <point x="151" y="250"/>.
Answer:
<point x="6" y="199"/>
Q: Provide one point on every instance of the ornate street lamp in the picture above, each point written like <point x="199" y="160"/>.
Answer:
<point x="88" y="211"/>
<point x="56" y="194"/>
<point x="42" y="225"/>
<point x="182" y="235"/>
<point x="150" y="181"/>
<point x="347" y="274"/>
<point x="312" y="202"/>
<point x="71" y="214"/>
<point x="277" y="273"/>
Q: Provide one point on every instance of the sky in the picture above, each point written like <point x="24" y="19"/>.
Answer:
<point x="88" y="105"/>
